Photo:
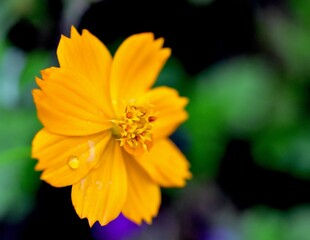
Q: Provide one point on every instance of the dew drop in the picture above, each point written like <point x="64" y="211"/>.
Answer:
<point x="73" y="162"/>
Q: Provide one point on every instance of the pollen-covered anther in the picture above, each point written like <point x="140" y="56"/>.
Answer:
<point x="152" y="118"/>
<point x="134" y="128"/>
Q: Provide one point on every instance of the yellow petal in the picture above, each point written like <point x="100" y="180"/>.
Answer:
<point x="165" y="164"/>
<point x="136" y="65"/>
<point x="100" y="196"/>
<point x="88" y="56"/>
<point x="168" y="109"/>
<point x="68" y="104"/>
<point x="143" y="197"/>
<point x="66" y="160"/>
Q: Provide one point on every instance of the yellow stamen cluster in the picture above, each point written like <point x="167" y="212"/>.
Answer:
<point x="134" y="128"/>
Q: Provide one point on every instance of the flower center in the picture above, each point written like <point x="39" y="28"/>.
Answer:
<point x="134" y="128"/>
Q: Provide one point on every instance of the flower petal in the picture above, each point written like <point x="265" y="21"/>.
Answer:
<point x="168" y="108"/>
<point x="136" y="65"/>
<point x="68" y="104"/>
<point x="143" y="196"/>
<point x="88" y="56"/>
<point x="102" y="193"/>
<point x="66" y="160"/>
<point x="166" y="165"/>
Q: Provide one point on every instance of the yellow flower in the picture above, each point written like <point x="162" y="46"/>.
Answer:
<point x="106" y="131"/>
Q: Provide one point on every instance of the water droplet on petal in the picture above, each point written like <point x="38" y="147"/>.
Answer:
<point x="73" y="162"/>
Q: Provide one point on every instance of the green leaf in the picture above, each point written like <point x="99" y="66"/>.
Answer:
<point x="288" y="39"/>
<point x="301" y="10"/>
<point x="297" y="223"/>
<point x="263" y="224"/>
<point x="231" y="98"/>
<point x="17" y="128"/>
<point x="285" y="149"/>
<point x="18" y="179"/>
<point x="18" y="183"/>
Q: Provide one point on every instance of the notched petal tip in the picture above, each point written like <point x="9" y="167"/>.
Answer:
<point x="85" y="32"/>
<point x="146" y="35"/>
<point x="37" y="166"/>
<point x="165" y="53"/>
<point x="45" y="73"/>
<point x="189" y="176"/>
<point x="39" y="82"/>
<point x="63" y="38"/>
<point x="183" y="182"/>
<point x="91" y="222"/>
<point x="159" y="42"/>
<point x="184" y="101"/>
<point x="139" y="221"/>
<point x="37" y="93"/>
<point x="73" y="32"/>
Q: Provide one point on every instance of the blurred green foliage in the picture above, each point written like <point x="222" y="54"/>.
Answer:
<point x="18" y="124"/>
<point x="270" y="224"/>
<point x="233" y="97"/>
<point x="12" y="10"/>
<point x="261" y="99"/>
